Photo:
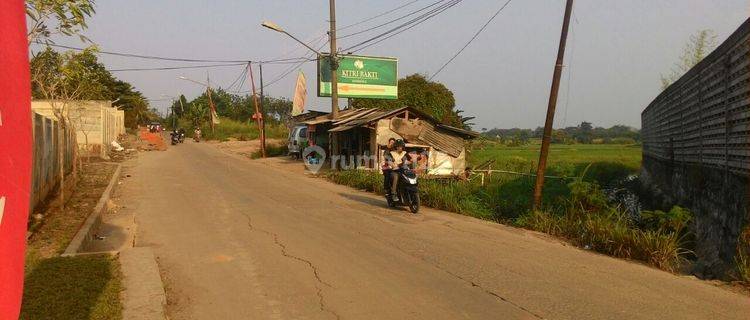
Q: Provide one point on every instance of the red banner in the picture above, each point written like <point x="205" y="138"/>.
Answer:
<point x="15" y="153"/>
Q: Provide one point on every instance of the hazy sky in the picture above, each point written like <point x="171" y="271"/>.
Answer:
<point x="616" y="49"/>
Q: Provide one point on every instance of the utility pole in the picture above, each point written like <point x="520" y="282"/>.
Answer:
<point x="258" y="116"/>
<point x="333" y="62"/>
<point x="262" y="121"/>
<point x="211" y="107"/>
<point x="546" y="137"/>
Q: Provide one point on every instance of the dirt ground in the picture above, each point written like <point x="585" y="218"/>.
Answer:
<point x="55" y="226"/>
<point x="244" y="148"/>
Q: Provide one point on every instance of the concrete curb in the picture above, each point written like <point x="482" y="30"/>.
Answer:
<point x="87" y="232"/>
<point x="144" y="297"/>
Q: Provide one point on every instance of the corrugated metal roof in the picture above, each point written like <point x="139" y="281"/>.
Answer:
<point x="442" y="141"/>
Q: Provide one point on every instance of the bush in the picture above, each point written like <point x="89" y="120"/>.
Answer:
<point x="590" y="222"/>
<point x="228" y="128"/>
<point x="578" y="211"/>
<point x="742" y="259"/>
<point x="446" y="195"/>
<point x="272" y="150"/>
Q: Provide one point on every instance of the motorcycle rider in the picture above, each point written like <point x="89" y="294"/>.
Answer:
<point x="197" y="134"/>
<point x="400" y="159"/>
<point x="385" y="165"/>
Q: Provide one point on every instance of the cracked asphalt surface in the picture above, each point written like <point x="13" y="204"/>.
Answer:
<point x="249" y="239"/>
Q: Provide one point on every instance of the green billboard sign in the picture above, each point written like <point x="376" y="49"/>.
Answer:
<point x="360" y="77"/>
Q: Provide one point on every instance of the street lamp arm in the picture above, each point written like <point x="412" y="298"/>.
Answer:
<point x="193" y="81"/>
<point x="277" y="28"/>
<point x="304" y="44"/>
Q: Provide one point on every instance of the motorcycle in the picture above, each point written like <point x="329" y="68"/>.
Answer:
<point x="181" y="135"/>
<point x="407" y="190"/>
<point x="175" y="137"/>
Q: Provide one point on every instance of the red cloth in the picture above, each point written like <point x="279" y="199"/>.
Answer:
<point x="15" y="153"/>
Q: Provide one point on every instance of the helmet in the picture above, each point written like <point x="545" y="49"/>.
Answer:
<point x="399" y="143"/>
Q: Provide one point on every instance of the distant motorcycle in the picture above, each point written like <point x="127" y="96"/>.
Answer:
<point x="407" y="190"/>
<point x="175" y="137"/>
<point x="181" y="136"/>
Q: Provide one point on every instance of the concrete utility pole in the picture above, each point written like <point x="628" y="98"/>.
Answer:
<point x="334" y="63"/>
<point x="263" y="121"/>
<point x="546" y="137"/>
<point x="258" y="114"/>
<point x="211" y="107"/>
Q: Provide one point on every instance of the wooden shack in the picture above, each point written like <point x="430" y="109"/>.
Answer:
<point x="364" y="133"/>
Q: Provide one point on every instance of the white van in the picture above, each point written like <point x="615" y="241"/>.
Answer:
<point x="297" y="141"/>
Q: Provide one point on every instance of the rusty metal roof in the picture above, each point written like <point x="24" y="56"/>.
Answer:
<point x="442" y="139"/>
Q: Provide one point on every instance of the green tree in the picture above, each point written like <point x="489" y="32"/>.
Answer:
<point x="198" y="114"/>
<point x="51" y="17"/>
<point x="416" y="91"/>
<point x="698" y="47"/>
<point x="585" y="132"/>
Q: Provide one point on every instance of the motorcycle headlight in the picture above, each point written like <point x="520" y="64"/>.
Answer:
<point x="412" y="180"/>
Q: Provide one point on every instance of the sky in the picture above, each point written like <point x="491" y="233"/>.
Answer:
<point x="616" y="49"/>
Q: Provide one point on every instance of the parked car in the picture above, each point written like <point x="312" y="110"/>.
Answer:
<point x="297" y="141"/>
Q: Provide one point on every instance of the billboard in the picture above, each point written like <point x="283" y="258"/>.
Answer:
<point x="360" y="77"/>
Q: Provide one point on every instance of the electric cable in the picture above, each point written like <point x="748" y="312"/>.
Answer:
<point x="376" y="16"/>
<point x="472" y="39"/>
<point x="404" y="26"/>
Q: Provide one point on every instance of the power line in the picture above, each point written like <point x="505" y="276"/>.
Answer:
<point x="472" y="39"/>
<point x="376" y="16"/>
<point x="140" y="56"/>
<point x="176" y="67"/>
<point x="242" y="75"/>
<point x="403" y="27"/>
<point x="390" y="21"/>
<point x="289" y="70"/>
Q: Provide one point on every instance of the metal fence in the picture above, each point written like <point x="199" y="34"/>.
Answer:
<point x="704" y="117"/>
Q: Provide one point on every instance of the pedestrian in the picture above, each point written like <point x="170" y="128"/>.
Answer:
<point x="387" y="165"/>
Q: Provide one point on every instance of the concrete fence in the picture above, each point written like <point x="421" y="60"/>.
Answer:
<point x="97" y="123"/>
<point x="93" y="125"/>
<point x="49" y="143"/>
<point x="696" y="149"/>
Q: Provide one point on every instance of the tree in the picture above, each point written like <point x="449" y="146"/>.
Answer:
<point x="698" y="47"/>
<point x="278" y="110"/>
<point x="51" y="17"/>
<point x="585" y="132"/>
<point x="198" y="114"/>
<point x="62" y="79"/>
<point x="432" y="98"/>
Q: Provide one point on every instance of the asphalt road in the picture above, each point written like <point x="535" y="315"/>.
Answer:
<point x="240" y="239"/>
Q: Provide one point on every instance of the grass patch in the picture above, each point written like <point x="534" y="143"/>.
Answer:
<point x="570" y="159"/>
<point x="82" y="287"/>
<point x="577" y="211"/>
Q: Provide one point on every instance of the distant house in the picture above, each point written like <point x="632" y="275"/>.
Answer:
<point x="365" y="132"/>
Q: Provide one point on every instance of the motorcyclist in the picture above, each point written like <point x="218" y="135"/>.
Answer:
<point x="385" y="165"/>
<point x="400" y="158"/>
<point x="197" y="134"/>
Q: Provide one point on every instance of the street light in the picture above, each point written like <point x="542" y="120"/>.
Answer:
<point x="332" y="56"/>
<point x="277" y="28"/>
